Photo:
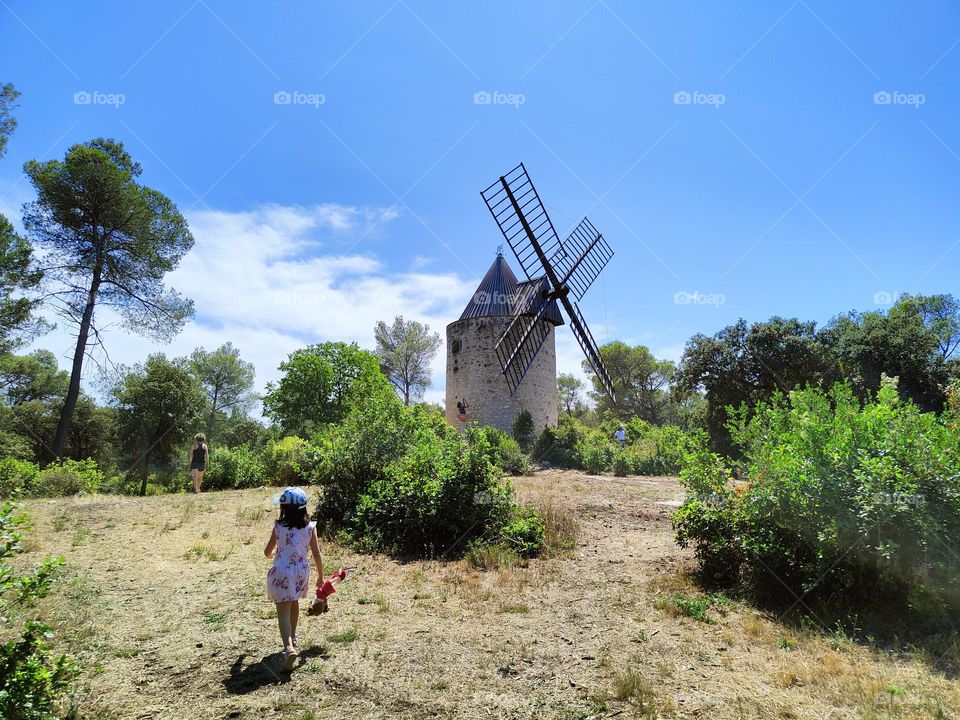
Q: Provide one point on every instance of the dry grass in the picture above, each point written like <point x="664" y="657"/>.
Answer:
<point x="163" y="601"/>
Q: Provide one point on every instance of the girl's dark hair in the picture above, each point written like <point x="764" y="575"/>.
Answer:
<point x="293" y="516"/>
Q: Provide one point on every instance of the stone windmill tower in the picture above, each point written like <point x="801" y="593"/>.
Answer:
<point x="473" y="373"/>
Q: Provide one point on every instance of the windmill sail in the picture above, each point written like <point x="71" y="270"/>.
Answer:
<point x="583" y="255"/>
<point x="568" y="266"/>
<point x="589" y="346"/>
<point x="521" y="342"/>
<point x="523" y="220"/>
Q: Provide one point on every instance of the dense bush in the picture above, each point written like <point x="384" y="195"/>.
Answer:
<point x="650" y="449"/>
<point x="237" y="467"/>
<point x="505" y="452"/>
<point x="16" y="475"/>
<point x="286" y="462"/>
<point x="399" y="480"/>
<point x="69" y="477"/>
<point x="558" y="446"/>
<point x="838" y="499"/>
<point x="522" y="427"/>
<point x="524" y="532"/>
<point x="32" y="680"/>
<point x="595" y="452"/>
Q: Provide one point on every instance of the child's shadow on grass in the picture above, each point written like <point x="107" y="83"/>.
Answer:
<point x="266" y="671"/>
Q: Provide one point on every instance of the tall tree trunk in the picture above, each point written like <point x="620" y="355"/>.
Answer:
<point x="213" y="413"/>
<point x="73" y="392"/>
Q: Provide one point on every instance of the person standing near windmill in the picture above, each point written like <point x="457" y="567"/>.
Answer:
<point x="621" y="435"/>
<point x="462" y="408"/>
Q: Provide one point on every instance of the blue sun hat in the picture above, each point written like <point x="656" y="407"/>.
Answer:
<point x="292" y="496"/>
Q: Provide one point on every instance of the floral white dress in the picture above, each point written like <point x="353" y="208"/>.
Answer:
<point x="289" y="578"/>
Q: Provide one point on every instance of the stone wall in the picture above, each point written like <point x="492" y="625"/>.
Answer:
<point x="473" y="372"/>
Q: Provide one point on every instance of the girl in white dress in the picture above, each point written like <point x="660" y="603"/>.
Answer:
<point x="289" y="579"/>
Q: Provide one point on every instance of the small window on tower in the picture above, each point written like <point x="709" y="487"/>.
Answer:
<point x="455" y="347"/>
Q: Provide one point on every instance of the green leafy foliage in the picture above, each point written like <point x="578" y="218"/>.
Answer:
<point x="33" y="680"/>
<point x="650" y="449"/>
<point x="522" y="427"/>
<point x="524" y="533"/>
<point x="235" y="468"/>
<point x="69" y="477"/>
<point x="839" y="500"/>
<point x="16" y="475"/>
<point x="321" y="384"/>
<point x="287" y="461"/>
<point x="506" y="453"/>
<point x="399" y="480"/>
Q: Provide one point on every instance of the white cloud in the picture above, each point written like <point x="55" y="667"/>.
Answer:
<point x="270" y="281"/>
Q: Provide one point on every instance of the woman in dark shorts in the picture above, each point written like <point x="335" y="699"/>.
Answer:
<point x="199" y="455"/>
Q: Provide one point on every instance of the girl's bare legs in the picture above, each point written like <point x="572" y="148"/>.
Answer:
<point x="294" y="619"/>
<point x="197" y="475"/>
<point x="283" y="618"/>
<point x="199" y="479"/>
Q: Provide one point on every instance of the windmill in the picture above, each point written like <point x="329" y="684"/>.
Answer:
<point x="554" y="271"/>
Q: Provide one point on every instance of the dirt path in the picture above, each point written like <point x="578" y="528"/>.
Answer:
<point x="165" y="607"/>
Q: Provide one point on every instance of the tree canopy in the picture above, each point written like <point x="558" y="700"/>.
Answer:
<point x="640" y="381"/>
<point x="159" y="404"/>
<point x="226" y="379"/>
<point x="108" y="241"/>
<point x="320" y="384"/>
<point x="406" y="349"/>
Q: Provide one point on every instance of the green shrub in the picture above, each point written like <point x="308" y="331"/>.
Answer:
<point x="400" y="480"/>
<point x="16" y="475"/>
<point x="32" y="680"/>
<point x="237" y="467"/>
<point x="523" y="427"/>
<point x="441" y="492"/>
<point x="69" y="477"/>
<point x="286" y="462"/>
<point x="595" y="452"/>
<point x="505" y="452"/>
<point x="839" y="500"/>
<point x="524" y="533"/>
<point x="558" y="446"/>
<point x="622" y="463"/>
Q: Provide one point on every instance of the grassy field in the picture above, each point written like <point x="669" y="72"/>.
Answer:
<point x="163" y="604"/>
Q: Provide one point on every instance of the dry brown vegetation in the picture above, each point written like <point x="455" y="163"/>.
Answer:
<point x="163" y="604"/>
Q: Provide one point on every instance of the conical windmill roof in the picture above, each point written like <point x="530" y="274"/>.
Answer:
<point x="494" y="295"/>
<point x="500" y="294"/>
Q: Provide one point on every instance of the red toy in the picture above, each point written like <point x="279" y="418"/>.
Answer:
<point x="319" y="605"/>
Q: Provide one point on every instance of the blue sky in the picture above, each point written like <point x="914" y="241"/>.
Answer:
<point x="743" y="159"/>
